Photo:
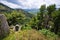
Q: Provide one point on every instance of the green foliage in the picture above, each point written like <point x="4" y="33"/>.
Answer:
<point x="51" y="8"/>
<point x="42" y="11"/>
<point x="55" y="14"/>
<point x="34" y="23"/>
<point x="42" y="17"/>
<point x="26" y="27"/>
<point x="56" y="17"/>
<point x="10" y="37"/>
<point x="30" y="35"/>
<point x="43" y="8"/>
<point x="16" y="17"/>
<point x="48" y="33"/>
<point x="46" y="18"/>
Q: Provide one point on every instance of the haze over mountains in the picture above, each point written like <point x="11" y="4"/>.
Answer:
<point x="5" y="8"/>
<point x="29" y="5"/>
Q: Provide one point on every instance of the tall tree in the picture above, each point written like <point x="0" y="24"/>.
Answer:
<point x="56" y="17"/>
<point x="41" y="16"/>
<point x="42" y="10"/>
<point x="50" y="9"/>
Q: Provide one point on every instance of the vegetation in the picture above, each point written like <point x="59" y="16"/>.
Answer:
<point x="44" y="26"/>
<point x="31" y="35"/>
<point x="15" y="17"/>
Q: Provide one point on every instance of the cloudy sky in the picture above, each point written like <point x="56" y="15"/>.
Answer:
<point x="29" y="4"/>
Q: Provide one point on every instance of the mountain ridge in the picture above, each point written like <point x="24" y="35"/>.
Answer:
<point x="5" y="8"/>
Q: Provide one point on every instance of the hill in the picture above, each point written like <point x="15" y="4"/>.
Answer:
<point x="15" y="16"/>
<point x="33" y="11"/>
<point x="5" y="8"/>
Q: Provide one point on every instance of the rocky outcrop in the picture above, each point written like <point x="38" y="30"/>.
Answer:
<point x="4" y="27"/>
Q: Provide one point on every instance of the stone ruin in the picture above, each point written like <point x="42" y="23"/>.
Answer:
<point x="17" y="27"/>
<point x="4" y="27"/>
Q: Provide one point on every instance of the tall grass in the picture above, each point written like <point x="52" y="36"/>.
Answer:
<point x="29" y="35"/>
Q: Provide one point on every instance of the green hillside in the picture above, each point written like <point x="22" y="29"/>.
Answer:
<point x="45" y="25"/>
<point x="19" y="15"/>
<point x="4" y="8"/>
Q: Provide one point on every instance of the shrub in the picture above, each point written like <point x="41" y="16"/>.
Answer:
<point x="49" y="34"/>
<point x="26" y="28"/>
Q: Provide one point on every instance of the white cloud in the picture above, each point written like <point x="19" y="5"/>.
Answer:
<point x="37" y="3"/>
<point x="28" y="4"/>
<point x="49" y="2"/>
<point x="31" y="3"/>
<point x="11" y="4"/>
<point x="57" y="2"/>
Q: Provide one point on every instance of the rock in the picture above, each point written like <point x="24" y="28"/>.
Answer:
<point x="4" y="27"/>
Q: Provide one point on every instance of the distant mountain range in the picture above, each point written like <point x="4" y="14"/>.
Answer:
<point x="5" y="8"/>
<point x="33" y="11"/>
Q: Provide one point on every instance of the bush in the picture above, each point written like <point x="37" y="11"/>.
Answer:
<point x="26" y="28"/>
<point x="48" y="34"/>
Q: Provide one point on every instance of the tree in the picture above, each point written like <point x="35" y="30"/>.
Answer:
<point x="42" y="10"/>
<point x="50" y="9"/>
<point x="56" y="17"/>
<point x="43" y="16"/>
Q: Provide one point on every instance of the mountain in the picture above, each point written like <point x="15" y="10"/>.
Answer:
<point x="5" y="8"/>
<point x="33" y="11"/>
<point x="25" y="12"/>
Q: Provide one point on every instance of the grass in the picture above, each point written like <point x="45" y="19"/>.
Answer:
<point x="27" y="35"/>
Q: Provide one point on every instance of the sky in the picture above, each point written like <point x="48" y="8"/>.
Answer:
<point x="29" y="4"/>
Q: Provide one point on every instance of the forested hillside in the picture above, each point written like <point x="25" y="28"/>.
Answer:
<point x="16" y="15"/>
<point x="45" y="25"/>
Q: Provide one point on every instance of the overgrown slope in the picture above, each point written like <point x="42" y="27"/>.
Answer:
<point x="28" y="35"/>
